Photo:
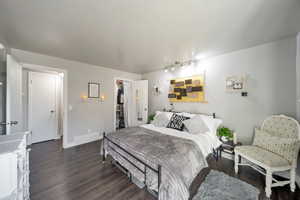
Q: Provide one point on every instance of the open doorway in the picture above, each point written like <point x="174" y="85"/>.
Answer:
<point x="44" y="98"/>
<point x="130" y="103"/>
<point x="120" y="118"/>
<point x="124" y="103"/>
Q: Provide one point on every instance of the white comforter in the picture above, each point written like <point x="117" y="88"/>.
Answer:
<point x="206" y="141"/>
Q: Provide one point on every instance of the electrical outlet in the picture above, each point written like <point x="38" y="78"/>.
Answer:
<point x="244" y="94"/>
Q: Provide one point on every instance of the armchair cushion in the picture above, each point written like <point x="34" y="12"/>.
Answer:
<point x="287" y="148"/>
<point x="264" y="157"/>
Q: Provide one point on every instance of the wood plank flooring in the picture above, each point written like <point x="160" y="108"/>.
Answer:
<point x="79" y="174"/>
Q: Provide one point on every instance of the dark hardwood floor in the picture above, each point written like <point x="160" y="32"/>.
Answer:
<point x="79" y="174"/>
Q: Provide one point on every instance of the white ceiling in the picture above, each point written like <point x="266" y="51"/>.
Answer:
<point x="144" y="35"/>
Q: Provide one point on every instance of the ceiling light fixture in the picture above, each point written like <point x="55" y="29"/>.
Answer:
<point x="181" y="65"/>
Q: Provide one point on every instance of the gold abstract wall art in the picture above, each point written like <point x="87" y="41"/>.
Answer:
<point x="189" y="89"/>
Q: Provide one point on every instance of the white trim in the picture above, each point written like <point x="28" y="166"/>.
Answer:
<point x="65" y="95"/>
<point x="83" y="139"/>
<point x="58" y="137"/>
<point x="115" y="99"/>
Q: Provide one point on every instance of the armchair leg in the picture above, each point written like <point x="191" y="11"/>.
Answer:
<point x="268" y="189"/>
<point x="293" y="179"/>
<point x="236" y="163"/>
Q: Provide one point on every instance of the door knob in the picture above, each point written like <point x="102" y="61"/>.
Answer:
<point x="3" y="123"/>
<point x="12" y="123"/>
<point x="52" y="111"/>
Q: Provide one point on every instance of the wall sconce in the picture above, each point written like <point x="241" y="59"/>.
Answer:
<point x="102" y="98"/>
<point x="156" y="90"/>
<point x="84" y="97"/>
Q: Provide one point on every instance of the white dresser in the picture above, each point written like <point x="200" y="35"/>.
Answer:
<point x="14" y="165"/>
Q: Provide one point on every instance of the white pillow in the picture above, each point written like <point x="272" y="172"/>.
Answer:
<point x="168" y="114"/>
<point x="212" y="123"/>
<point x="196" y="125"/>
<point x="189" y="115"/>
<point x="160" y="120"/>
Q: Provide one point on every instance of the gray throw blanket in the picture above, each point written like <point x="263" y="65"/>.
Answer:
<point x="181" y="159"/>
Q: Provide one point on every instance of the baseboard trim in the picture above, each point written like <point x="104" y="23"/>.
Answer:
<point x="58" y="137"/>
<point x="83" y="139"/>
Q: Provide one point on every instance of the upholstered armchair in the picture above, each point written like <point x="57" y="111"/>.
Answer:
<point x="275" y="149"/>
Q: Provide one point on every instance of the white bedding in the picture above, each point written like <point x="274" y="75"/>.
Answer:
<point x="206" y="141"/>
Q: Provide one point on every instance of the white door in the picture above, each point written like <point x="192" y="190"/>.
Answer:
<point x="3" y="76"/>
<point x="42" y="119"/>
<point x="140" y="99"/>
<point x="13" y="96"/>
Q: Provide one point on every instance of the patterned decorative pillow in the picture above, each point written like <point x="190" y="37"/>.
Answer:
<point x="288" y="148"/>
<point x="176" y="122"/>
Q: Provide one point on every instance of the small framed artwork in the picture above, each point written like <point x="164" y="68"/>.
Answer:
<point x="235" y="83"/>
<point x="94" y="90"/>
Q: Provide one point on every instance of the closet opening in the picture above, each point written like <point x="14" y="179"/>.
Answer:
<point x="130" y="103"/>
<point x="120" y="118"/>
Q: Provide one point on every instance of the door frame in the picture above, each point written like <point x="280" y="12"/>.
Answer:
<point x="30" y="98"/>
<point x="115" y="98"/>
<point x="147" y="102"/>
<point x="46" y="69"/>
<point x="8" y="105"/>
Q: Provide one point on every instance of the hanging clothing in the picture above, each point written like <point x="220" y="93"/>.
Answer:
<point x="120" y="96"/>
<point x="128" y="103"/>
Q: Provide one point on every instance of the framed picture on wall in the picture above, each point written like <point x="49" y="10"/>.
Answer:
<point x="94" y="90"/>
<point x="235" y="83"/>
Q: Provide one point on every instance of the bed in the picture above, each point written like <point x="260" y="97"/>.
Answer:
<point x="163" y="160"/>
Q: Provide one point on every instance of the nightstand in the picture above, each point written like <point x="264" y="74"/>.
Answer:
<point x="226" y="147"/>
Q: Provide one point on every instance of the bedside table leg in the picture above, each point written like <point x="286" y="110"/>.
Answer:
<point x="236" y="163"/>
<point x="216" y="154"/>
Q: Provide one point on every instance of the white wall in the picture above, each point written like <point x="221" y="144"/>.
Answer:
<point x="25" y="98"/>
<point x="271" y="86"/>
<point x="298" y="76"/>
<point x="91" y="115"/>
<point x="2" y="86"/>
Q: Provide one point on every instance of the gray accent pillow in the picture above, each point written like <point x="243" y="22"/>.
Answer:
<point x="160" y="120"/>
<point x="196" y="125"/>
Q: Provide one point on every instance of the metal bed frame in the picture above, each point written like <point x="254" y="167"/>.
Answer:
<point x="145" y="165"/>
<point x="145" y="168"/>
